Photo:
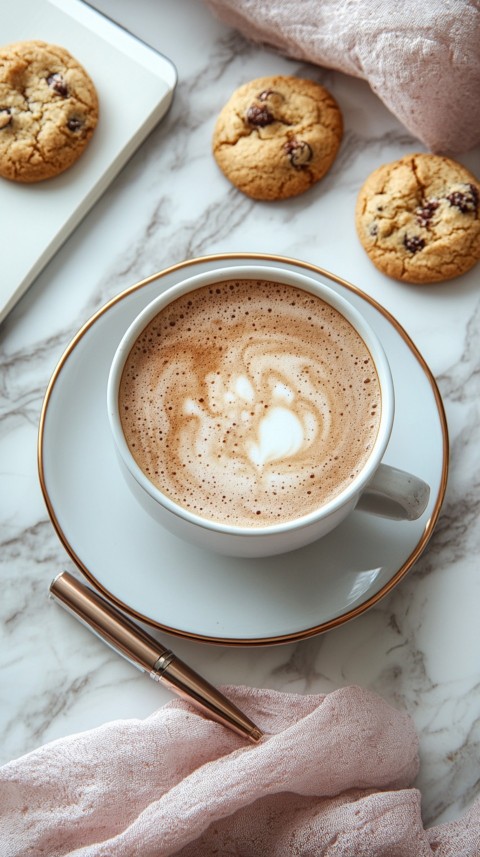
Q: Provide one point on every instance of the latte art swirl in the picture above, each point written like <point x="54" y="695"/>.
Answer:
<point x="250" y="403"/>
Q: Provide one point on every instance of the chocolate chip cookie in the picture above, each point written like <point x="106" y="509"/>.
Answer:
<point x="418" y="218"/>
<point x="48" y="110"/>
<point x="277" y="136"/>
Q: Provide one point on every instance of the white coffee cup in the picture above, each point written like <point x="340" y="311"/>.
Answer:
<point x="378" y="488"/>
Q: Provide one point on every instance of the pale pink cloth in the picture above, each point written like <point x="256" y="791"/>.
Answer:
<point x="333" y="777"/>
<point x="421" y="58"/>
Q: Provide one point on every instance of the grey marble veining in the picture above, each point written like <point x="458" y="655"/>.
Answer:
<point x="419" y="646"/>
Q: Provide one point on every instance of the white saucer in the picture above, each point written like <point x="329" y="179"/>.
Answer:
<point x="192" y="593"/>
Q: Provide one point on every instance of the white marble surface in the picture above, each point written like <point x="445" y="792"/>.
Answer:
<point x="419" y="647"/>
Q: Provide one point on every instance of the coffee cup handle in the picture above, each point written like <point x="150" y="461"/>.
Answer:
<point x="395" y="494"/>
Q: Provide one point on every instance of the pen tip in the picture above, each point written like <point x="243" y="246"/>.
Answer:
<point x="256" y="734"/>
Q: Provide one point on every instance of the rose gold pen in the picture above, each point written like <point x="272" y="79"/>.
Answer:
<point x="147" y="654"/>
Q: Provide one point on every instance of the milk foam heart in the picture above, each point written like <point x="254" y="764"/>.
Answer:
<point x="250" y="402"/>
<point x="280" y="435"/>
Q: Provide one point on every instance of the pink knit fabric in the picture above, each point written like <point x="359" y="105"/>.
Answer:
<point x="421" y="58"/>
<point x="332" y="777"/>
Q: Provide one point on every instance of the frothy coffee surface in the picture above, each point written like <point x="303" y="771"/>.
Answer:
<point x="250" y="402"/>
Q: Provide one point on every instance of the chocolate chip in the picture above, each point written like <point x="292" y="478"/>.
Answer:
<point x="74" y="123"/>
<point x="299" y="152"/>
<point x="373" y="229"/>
<point x="57" y="83"/>
<point x="465" y="200"/>
<point x="424" y="212"/>
<point x="267" y="93"/>
<point x="414" y="243"/>
<point x="259" y="116"/>
<point x="5" y="117"/>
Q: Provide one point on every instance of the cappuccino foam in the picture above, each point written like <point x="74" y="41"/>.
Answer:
<point x="250" y="403"/>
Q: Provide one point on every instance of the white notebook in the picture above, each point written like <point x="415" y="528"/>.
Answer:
<point x="135" y="86"/>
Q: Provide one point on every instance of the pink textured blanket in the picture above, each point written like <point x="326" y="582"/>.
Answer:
<point x="421" y="58"/>
<point x="333" y="777"/>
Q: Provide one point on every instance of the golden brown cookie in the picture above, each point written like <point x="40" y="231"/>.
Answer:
<point x="418" y="219"/>
<point x="48" y="110"/>
<point x="277" y="136"/>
